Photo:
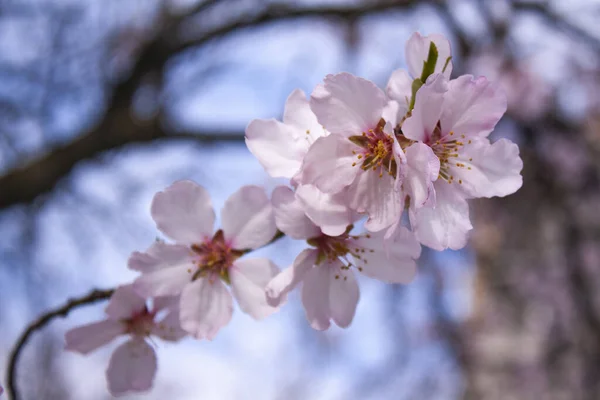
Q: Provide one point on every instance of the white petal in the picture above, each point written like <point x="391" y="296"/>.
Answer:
<point x="472" y="107"/>
<point x="347" y="105"/>
<point x="377" y="197"/>
<point x="124" y="303"/>
<point x="247" y="218"/>
<point x="278" y="288"/>
<point x="164" y="282"/>
<point x="290" y="217"/>
<point x="399" y="87"/>
<point x="89" y="337"/>
<point x="132" y="367"/>
<point x="184" y="212"/>
<point x="417" y="49"/>
<point x="328" y="164"/>
<point x="160" y="255"/>
<point x="206" y="307"/>
<point x="446" y="225"/>
<point x="397" y="264"/>
<point x="423" y="168"/>
<point x="329" y="212"/>
<point x="297" y="113"/>
<point x="249" y="279"/>
<point x="278" y="147"/>
<point x="428" y="109"/>
<point x="489" y="169"/>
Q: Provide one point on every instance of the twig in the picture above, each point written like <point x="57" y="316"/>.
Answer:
<point x="11" y="376"/>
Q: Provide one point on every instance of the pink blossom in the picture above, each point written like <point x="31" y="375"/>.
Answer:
<point x="361" y="156"/>
<point x="329" y="290"/>
<point x="200" y="264"/>
<point x="132" y="366"/>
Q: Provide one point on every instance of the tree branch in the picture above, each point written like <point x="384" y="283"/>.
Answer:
<point x="11" y="376"/>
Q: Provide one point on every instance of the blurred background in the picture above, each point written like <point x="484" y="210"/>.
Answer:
<point x="105" y="102"/>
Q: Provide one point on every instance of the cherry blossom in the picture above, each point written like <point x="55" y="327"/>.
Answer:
<point x="330" y="290"/>
<point x="361" y="156"/>
<point x="132" y="366"/>
<point x="200" y="264"/>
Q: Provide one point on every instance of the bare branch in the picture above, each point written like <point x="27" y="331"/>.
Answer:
<point x="62" y="311"/>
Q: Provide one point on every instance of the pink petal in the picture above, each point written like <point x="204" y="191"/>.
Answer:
<point x="289" y="215"/>
<point x="326" y="297"/>
<point x="164" y="282"/>
<point x="298" y="114"/>
<point x="397" y="264"/>
<point x="249" y="279"/>
<point x="278" y="288"/>
<point x="378" y="198"/>
<point x="89" y="337"/>
<point x="132" y="367"/>
<point x="124" y="303"/>
<point x="423" y="168"/>
<point x="472" y="107"/>
<point x="169" y="327"/>
<point x="248" y="220"/>
<point x="184" y="212"/>
<point x="158" y="256"/>
<point x="495" y="169"/>
<point x="278" y="147"/>
<point x="329" y="212"/>
<point x="446" y="225"/>
<point x="328" y="164"/>
<point x="428" y="109"/>
<point x="417" y="49"/>
<point x="206" y="307"/>
<point x="347" y="105"/>
<point x="399" y="87"/>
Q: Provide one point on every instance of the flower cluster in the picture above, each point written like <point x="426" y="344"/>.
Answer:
<point x="404" y="160"/>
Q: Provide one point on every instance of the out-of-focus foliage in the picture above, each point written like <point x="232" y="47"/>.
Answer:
<point x="104" y="102"/>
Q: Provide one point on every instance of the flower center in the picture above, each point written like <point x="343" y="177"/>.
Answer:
<point x="333" y="248"/>
<point x="141" y="323"/>
<point x="214" y="257"/>
<point x="446" y="149"/>
<point x="376" y="151"/>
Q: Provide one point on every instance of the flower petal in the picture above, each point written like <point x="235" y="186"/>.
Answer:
<point x="328" y="164"/>
<point x="472" y="107"/>
<point x="399" y="87"/>
<point x="247" y="218"/>
<point x="124" y="303"/>
<point x="160" y="255"/>
<point x="377" y="197"/>
<point x="278" y="147"/>
<point x="169" y="327"/>
<point x="315" y="297"/>
<point x="329" y="212"/>
<point x="489" y="169"/>
<point x="184" y="212"/>
<point x="278" y="288"/>
<point x="394" y="264"/>
<point x="343" y="297"/>
<point x="89" y="337"/>
<point x="164" y="282"/>
<point x="423" y="168"/>
<point x="428" y="109"/>
<point x="347" y="105"/>
<point x="249" y="279"/>
<point x="206" y="307"/>
<point x="298" y="114"/>
<point x="446" y="225"/>
<point x="417" y="49"/>
<point x="290" y="217"/>
<point x="132" y="367"/>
